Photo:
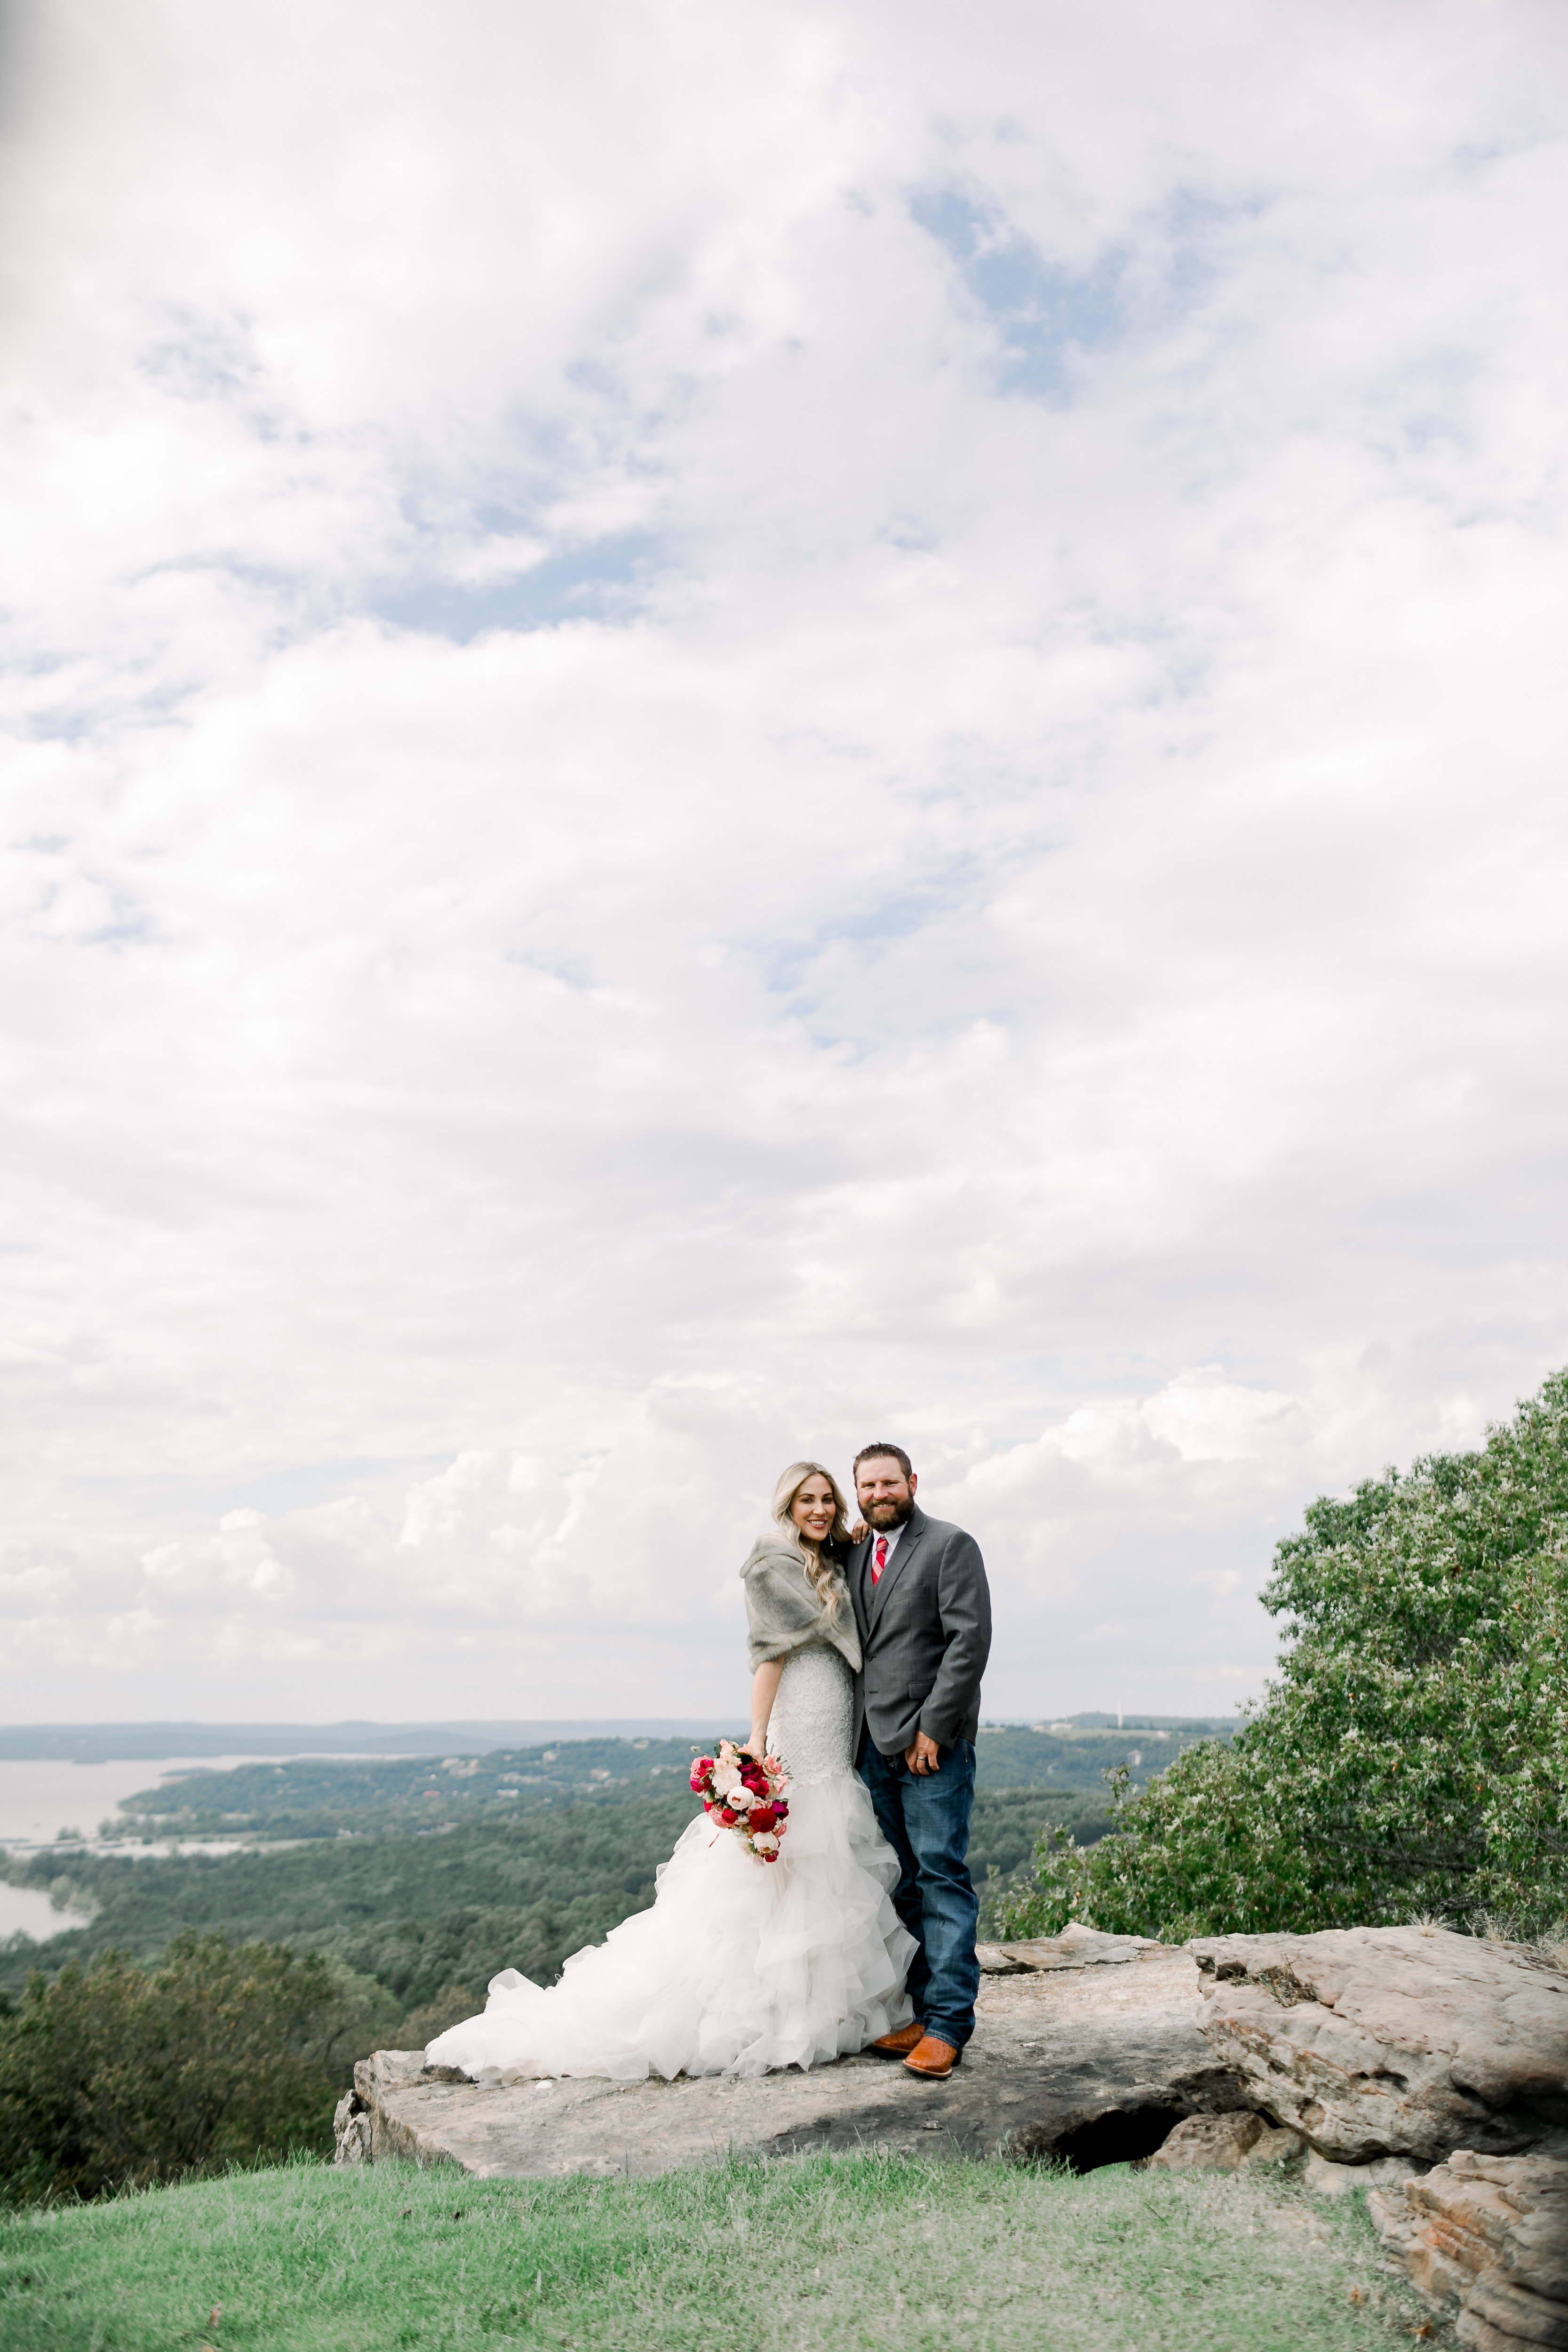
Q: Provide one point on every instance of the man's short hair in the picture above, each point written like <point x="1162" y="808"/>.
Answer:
<point x="868" y="1454"/>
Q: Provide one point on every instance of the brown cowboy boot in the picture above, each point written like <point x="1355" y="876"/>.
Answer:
<point x="898" y="2043"/>
<point x="932" y="2058"/>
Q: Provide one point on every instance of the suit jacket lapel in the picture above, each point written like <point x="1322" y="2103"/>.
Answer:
<point x="914" y="1527"/>
<point x="859" y="1582"/>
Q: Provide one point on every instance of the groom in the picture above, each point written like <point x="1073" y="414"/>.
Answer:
<point x="925" y="1613"/>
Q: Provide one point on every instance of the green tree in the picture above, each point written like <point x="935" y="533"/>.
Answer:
<point x="116" y="2075"/>
<point x="1412" y="1755"/>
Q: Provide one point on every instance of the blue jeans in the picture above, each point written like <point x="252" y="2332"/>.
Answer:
<point x="925" y="1820"/>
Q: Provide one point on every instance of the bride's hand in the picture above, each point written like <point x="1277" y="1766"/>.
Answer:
<point x="859" y="1531"/>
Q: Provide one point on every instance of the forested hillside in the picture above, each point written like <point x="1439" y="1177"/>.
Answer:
<point x="418" y="1913"/>
<point x="314" y="1796"/>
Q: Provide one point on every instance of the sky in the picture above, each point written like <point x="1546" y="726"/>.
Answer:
<point x="734" y="729"/>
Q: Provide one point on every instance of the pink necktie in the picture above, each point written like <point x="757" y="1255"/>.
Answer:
<point x="880" y="1562"/>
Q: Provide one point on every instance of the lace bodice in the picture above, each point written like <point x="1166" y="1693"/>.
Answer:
<point x="810" y="1724"/>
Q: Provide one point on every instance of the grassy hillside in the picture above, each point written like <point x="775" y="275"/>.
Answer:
<point x="418" y="1913"/>
<point x="818" y="2254"/>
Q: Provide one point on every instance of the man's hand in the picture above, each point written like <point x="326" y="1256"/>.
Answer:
<point x="921" y="1758"/>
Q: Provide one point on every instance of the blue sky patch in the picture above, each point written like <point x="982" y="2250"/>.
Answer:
<point x="581" y="584"/>
<point x="1045" y="314"/>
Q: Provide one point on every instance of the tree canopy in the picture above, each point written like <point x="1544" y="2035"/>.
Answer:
<point x="113" y="2076"/>
<point x="1410" y="1757"/>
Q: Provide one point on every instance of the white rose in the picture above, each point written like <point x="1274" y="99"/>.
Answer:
<point x="765" y="1841"/>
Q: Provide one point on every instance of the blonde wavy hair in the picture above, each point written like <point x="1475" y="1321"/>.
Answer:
<point x="824" y="1578"/>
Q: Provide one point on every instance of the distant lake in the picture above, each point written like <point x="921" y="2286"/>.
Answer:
<point x="27" y="1910"/>
<point x="40" y="1799"/>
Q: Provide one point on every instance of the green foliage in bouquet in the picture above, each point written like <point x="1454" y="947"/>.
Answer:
<point x="1411" y="1756"/>
<point x="114" y="2075"/>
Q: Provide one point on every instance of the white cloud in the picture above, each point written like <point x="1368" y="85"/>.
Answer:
<point x="723" y="732"/>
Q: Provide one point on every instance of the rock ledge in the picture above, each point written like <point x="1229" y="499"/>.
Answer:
<point x="1377" y="2041"/>
<point x="1081" y="2060"/>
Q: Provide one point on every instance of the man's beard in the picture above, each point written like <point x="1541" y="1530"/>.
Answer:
<point x="896" y="1513"/>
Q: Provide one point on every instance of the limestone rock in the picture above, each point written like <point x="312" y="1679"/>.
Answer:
<point x="1209" y="2143"/>
<point x="351" y="2130"/>
<point x="1331" y="2179"/>
<point x="1486" y="2237"/>
<point x="1091" y="2067"/>
<point x="1076" y="1947"/>
<point x="1377" y="2041"/>
<point x="1241" y="2142"/>
<point x="1278" y="2145"/>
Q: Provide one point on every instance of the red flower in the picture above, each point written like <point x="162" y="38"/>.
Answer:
<point x="762" y="1818"/>
<point x="727" y="1817"/>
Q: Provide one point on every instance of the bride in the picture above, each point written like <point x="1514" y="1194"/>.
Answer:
<point x="741" y="1965"/>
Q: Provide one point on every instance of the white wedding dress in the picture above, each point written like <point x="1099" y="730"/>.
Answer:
<point x="741" y="1965"/>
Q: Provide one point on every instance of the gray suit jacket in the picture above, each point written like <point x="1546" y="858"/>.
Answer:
<point x="925" y="1630"/>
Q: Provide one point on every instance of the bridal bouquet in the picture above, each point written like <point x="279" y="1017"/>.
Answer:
<point x="747" y="1794"/>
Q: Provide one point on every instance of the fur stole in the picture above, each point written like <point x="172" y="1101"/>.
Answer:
<point x="783" y="1612"/>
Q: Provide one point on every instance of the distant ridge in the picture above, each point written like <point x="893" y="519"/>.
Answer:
<point x="113" y="1743"/>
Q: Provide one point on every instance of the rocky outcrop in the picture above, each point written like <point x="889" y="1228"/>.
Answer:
<point x="1246" y="2142"/>
<point x="1076" y="1947"/>
<point x="1087" y="2062"/>
<point x="1368" y="2056"/>
<point x="1233" y="2143"/>
<point x="1484" y="2239"/>
<point x="1428" y="2067"/>
<point x="1375" y="2042"/>
<point x="1327" y="2179"/>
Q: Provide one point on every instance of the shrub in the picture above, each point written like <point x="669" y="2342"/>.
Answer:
<point x="451" y="2006"/>
<point x="114" y="2075"/>
<point x="1411" y="1756"/>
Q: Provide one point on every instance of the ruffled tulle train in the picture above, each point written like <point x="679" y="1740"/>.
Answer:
<point x="739" y="1967"/>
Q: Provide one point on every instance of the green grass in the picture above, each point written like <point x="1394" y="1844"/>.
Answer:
<point x="808" y="2252"/>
